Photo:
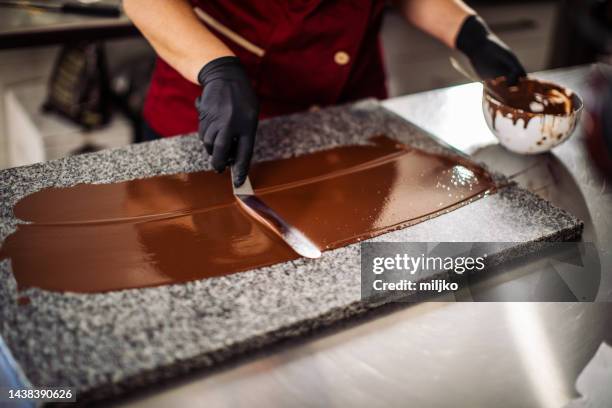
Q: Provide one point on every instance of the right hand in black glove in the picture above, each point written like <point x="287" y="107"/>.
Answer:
<point x="490" y="56"/>
<point x="228" y="111"/>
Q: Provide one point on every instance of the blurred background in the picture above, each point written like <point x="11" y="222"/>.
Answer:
<point x="72" y="82"/>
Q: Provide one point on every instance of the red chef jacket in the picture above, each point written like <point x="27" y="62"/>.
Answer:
<point x="298" y="54"/>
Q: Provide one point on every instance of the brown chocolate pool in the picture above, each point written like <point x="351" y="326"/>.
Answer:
<point x="183" y="227"/>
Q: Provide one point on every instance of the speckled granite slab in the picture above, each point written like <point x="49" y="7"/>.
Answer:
<point x="105" y="344"/>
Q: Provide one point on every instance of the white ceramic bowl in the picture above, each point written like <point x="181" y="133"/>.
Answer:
<point x="531" y="133"/>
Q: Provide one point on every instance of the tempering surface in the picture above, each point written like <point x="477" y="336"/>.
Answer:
<point x="177" y="228"/>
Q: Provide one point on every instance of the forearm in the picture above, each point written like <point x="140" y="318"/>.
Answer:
<point x="440" y="18"/>
<point x="176" y="34"/>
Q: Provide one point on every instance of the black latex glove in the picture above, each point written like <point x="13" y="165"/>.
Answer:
<point x="228" y="110"/>
<point x="490" y="56"/>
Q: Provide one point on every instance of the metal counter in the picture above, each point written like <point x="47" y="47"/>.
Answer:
<point x="442" y="354"/>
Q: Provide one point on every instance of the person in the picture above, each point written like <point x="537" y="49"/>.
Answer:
<point x="242" y="61"/>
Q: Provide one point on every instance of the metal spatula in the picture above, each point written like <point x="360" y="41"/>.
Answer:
<point x="299" y="242"/>
<point x="459" y="68"/>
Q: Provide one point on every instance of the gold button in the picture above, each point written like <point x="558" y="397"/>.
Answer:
<point x="341" y="58"/>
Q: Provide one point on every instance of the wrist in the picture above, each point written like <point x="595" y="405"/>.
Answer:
<point x="213" y="68"/>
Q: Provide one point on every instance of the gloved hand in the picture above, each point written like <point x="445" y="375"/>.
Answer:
<point x="490" y="57"/>
<point x="228" y="111"/>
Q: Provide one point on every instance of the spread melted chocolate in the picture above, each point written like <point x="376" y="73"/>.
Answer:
<point x="177" y="228"/>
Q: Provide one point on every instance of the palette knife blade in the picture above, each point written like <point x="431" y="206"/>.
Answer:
<point x="299" y="242"/>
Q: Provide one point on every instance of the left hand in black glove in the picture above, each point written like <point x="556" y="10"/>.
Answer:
<point x="490" y="56"/>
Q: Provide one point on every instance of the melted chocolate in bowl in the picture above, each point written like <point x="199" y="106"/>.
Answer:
<point x="183" y="227"/>
<point x="528" y="98"/>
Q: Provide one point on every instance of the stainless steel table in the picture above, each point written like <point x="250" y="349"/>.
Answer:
<point x="442" y="354"/>
<point x="20" y="27"/>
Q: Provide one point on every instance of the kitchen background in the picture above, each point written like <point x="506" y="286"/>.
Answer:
<point x="544" y="34"/>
